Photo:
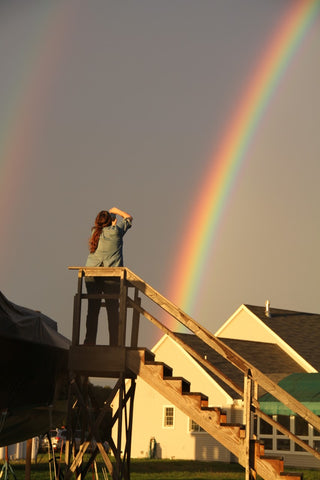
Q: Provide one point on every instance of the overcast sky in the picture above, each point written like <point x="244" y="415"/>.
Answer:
<point x="120" y="103"/>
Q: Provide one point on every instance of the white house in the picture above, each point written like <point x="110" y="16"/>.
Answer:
<point x="278" y="342"/>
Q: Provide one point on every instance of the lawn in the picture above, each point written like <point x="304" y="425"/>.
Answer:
<point x="155" y="470"/>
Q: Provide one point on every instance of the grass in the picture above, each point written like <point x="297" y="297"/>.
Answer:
<point x="146" y="469"/>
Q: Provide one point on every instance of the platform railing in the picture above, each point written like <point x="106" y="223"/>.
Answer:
<point x="252" y="376"/>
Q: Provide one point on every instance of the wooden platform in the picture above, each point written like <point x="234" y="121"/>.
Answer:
<point x="104" y="361"/>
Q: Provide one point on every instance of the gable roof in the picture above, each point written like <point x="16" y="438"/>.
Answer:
<point x="267" y="357"/>
<point x="300" y="330"/>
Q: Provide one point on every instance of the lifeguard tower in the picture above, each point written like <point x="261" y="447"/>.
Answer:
<point x="125" y="362"/>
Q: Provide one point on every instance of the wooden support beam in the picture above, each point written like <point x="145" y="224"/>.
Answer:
<point x="135" y="320"/>
<point x="76" y="320"/>
<point x="122" y="309"/>
<point x="249" y="451"/>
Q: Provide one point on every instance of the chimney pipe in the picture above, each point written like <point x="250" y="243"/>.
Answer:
<point x="267" y="309"/>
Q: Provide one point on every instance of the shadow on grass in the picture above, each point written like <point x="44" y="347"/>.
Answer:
<point x="154" y="466"/>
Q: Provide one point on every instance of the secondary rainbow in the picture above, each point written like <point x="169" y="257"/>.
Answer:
<point x="29" y="96"/>
<point x="225" y="163"/>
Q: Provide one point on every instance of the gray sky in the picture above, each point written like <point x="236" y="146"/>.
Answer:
<point x="120" y="103"/>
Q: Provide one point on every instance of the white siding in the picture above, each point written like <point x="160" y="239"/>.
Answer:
<point x="245" y="326"/>
<point x="301" y="460"/>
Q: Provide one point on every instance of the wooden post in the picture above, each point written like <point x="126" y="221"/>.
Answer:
<point x="247" y="420"/>
<point x="121" y="391"/>
<point x="77" y="311"/>
<point x="135" y="320"/>
<point x="129" y="427"/>
<point x="28" y="460"/>
<point x="122" y="310"/>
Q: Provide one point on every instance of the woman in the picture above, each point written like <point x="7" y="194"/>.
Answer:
<point x="106" y="250"/>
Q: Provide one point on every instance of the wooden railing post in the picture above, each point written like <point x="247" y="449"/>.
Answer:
<point x="135" y="320"/>
<point x="249" y="446"/>
<point x="77" y="311"/>
<point x="122" y="309"/>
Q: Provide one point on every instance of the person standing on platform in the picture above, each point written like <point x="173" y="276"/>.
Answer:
<point x="106" y="250"/>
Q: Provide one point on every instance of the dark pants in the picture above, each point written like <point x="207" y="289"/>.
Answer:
<point x="100" y="285"/>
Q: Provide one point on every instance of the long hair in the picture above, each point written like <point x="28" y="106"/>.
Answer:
<point x="103" y="219"/>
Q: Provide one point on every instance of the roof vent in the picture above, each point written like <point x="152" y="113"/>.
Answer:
<point x="267" y="309"/>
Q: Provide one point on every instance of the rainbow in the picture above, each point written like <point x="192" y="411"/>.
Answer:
<point x="30" y="93"/>
<point x="227" y="160"/>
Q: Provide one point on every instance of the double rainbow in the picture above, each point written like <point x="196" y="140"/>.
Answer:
<point x="219" y="179"/>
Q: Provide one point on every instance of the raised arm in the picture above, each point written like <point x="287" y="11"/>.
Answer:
<point x="117" y="211"/>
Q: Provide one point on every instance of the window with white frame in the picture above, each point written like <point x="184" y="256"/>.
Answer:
<point x="194" y="427"/>
<point x="275" y="441"/>
<point x="168" y="417"/>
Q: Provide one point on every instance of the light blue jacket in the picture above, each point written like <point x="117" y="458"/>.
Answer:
<point x="109" y="250"/>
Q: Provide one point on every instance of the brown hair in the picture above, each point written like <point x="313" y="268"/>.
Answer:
<point x="103" y="219"/>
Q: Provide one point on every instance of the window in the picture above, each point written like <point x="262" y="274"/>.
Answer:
<point x="283" y="444"/>
<point x="265" y="432"/>
<point x="194" y="427"/>
<point x="265" y="427"/>
<point x="274" y="440"/>
<point x="284" y="420"/>
<point x="301" y="426"/>
<point x="168" y="417"/>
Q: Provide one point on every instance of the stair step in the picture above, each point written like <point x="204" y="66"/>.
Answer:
<point x="275" y="461"/>
<point x="221" y="414"/>
<point x="148" y="355"/>
<point x="238" y="426"/>
<point x="199" y="398"/>
<point x="167" y="371"/>
<point x="258" y="448"/>
<point x="182" y="384"/>
<point x="261" y="449"/>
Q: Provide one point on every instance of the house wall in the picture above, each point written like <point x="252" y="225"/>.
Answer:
<point x="17" y="451"/>
<point x="245" y="326"/>
<point x="302" y="460"/>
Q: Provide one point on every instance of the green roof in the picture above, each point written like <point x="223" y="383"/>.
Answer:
<point x="305" y="387"/>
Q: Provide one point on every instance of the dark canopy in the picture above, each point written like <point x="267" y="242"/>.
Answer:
<point x="21" y="323"/>
<point x="34" y="363"/>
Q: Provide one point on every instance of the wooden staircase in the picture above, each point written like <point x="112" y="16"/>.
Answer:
<point x="125" y="361"/>
<point x="195" y="404"/>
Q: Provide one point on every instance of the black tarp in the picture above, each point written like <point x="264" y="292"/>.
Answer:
<point x="34" y="365"/>
<point x="21" y="323"/>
